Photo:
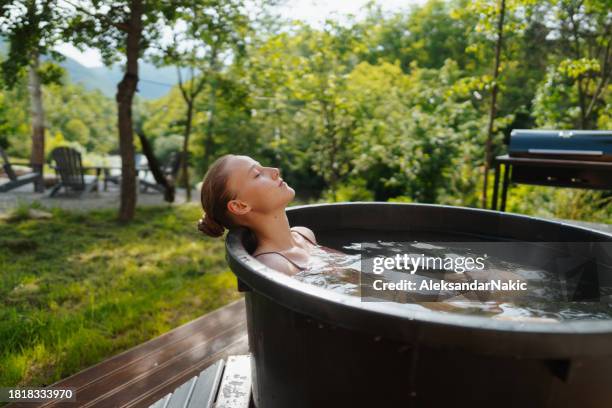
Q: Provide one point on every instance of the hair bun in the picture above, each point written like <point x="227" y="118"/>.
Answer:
<point x="210" y="227"/>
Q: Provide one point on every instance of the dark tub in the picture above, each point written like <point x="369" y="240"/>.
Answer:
<point x="316" y="348"/>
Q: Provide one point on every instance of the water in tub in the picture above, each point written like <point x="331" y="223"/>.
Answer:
<point x="544" y="300"/>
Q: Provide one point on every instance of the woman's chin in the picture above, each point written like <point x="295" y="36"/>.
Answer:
<point x="290" y="193"/>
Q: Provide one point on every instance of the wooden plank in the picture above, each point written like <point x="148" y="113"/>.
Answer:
<point x="162" y="403"/>
<point x="206" y="387"/>
<point x="235" y="388"/>
<point x="180" y="397"/>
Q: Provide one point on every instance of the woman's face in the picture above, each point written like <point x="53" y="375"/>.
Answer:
<point x="261" y="188"/>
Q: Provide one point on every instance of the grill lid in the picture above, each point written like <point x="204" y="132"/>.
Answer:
<point x="586" y="145"/>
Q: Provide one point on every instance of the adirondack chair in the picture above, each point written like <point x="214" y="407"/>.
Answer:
<point x="70" y="169"/>
<point x="15" y="180"/>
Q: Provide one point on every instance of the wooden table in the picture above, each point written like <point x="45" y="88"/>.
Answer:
<point x="549" y="172"/>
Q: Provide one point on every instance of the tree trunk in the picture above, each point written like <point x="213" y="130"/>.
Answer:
<point x="155" y="168"/>
<point x="492" y="112"/>
<point x="37" y="156"/>
<point x="185" y="155"/>
<point x="125" y="95"/>
<point x="578" y="55"/>
<point x="208" y="142"/>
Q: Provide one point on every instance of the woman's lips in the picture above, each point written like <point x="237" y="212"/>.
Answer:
<point x="281" y="183"/>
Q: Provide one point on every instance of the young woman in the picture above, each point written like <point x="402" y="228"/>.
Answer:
<point x="239" y="191"/>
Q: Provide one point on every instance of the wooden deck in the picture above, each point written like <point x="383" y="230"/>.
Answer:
<point x="148" y="372"/>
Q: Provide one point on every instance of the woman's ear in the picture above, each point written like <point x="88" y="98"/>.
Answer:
<point x="238" y="207"/>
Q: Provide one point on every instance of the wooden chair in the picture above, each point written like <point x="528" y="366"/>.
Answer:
<point x="14" y="179"/>
<point x="72" y="175"/>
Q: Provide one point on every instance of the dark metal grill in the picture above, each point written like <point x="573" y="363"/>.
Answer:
<point x="559" y="158"/>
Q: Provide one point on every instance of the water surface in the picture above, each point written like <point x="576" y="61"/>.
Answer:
<point x="549" y="297"/>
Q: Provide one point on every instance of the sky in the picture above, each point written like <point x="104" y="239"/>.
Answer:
<point x="311" y="11"/>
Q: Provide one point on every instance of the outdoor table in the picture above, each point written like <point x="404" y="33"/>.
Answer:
<point x="106" y="169"/>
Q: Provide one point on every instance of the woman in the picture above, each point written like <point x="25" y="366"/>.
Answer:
<point x="239" y="191"/>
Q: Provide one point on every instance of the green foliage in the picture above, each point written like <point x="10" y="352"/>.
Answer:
<point x="82" y="117"/>
<point x="165" y="146"/>
<point x="396" y="101"/>
<point x="32" y="28"/>
<point x="86" y="117"/>
<point x="14" y="120"/>
<point x="555" y="102"/>
<point x="562" y="203"/>
<point x="354" y="190"/>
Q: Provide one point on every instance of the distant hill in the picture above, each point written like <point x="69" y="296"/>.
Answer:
<point x="154" y="82"/>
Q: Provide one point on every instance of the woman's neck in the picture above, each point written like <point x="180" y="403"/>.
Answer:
<point x="272" y="231"/>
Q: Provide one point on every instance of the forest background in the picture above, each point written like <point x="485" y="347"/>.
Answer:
<point x="393" y="106"/>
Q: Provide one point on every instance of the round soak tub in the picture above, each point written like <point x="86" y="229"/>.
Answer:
<point x="312" y="347"/>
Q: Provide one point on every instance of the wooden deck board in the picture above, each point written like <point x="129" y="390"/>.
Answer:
<point x="162" y="403"/>
<point x="235" y="388"/>
<point x="206" y="387"/>
<point x="146" y="373"/>
<point x="180" y="397"/>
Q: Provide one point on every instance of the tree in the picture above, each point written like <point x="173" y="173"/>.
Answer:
<point x="122" y="28"/>
<point x="489" y="141"/>
<point x="214" y="31"/>
<point x="584" y="29"/>
<point x="33" y="28"/>
<point x="323" y="61"/>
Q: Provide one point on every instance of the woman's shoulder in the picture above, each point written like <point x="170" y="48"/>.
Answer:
<point x="307" y="232"/>
<point x="277" y="261"/>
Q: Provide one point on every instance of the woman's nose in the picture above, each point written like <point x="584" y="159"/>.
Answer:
<point x="275" y="173"/>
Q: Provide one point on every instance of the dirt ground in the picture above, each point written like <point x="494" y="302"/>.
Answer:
<point x="85" y="202"/>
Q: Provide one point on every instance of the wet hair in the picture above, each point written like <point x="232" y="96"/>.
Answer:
<point x="215" y="195"/>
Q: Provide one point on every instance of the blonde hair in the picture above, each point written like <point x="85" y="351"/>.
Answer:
<point x="214" y="196"/>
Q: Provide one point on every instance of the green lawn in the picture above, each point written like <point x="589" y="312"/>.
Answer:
<point x="78" y="288"/>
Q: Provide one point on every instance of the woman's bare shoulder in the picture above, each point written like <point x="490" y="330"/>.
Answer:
<point x="307" y="232"/>
<point x="277" y="262"/>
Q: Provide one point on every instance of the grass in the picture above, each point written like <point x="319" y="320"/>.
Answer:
<point x="79" y="287"/>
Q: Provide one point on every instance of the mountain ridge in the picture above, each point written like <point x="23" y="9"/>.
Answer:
<point x="154" y="82"/>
